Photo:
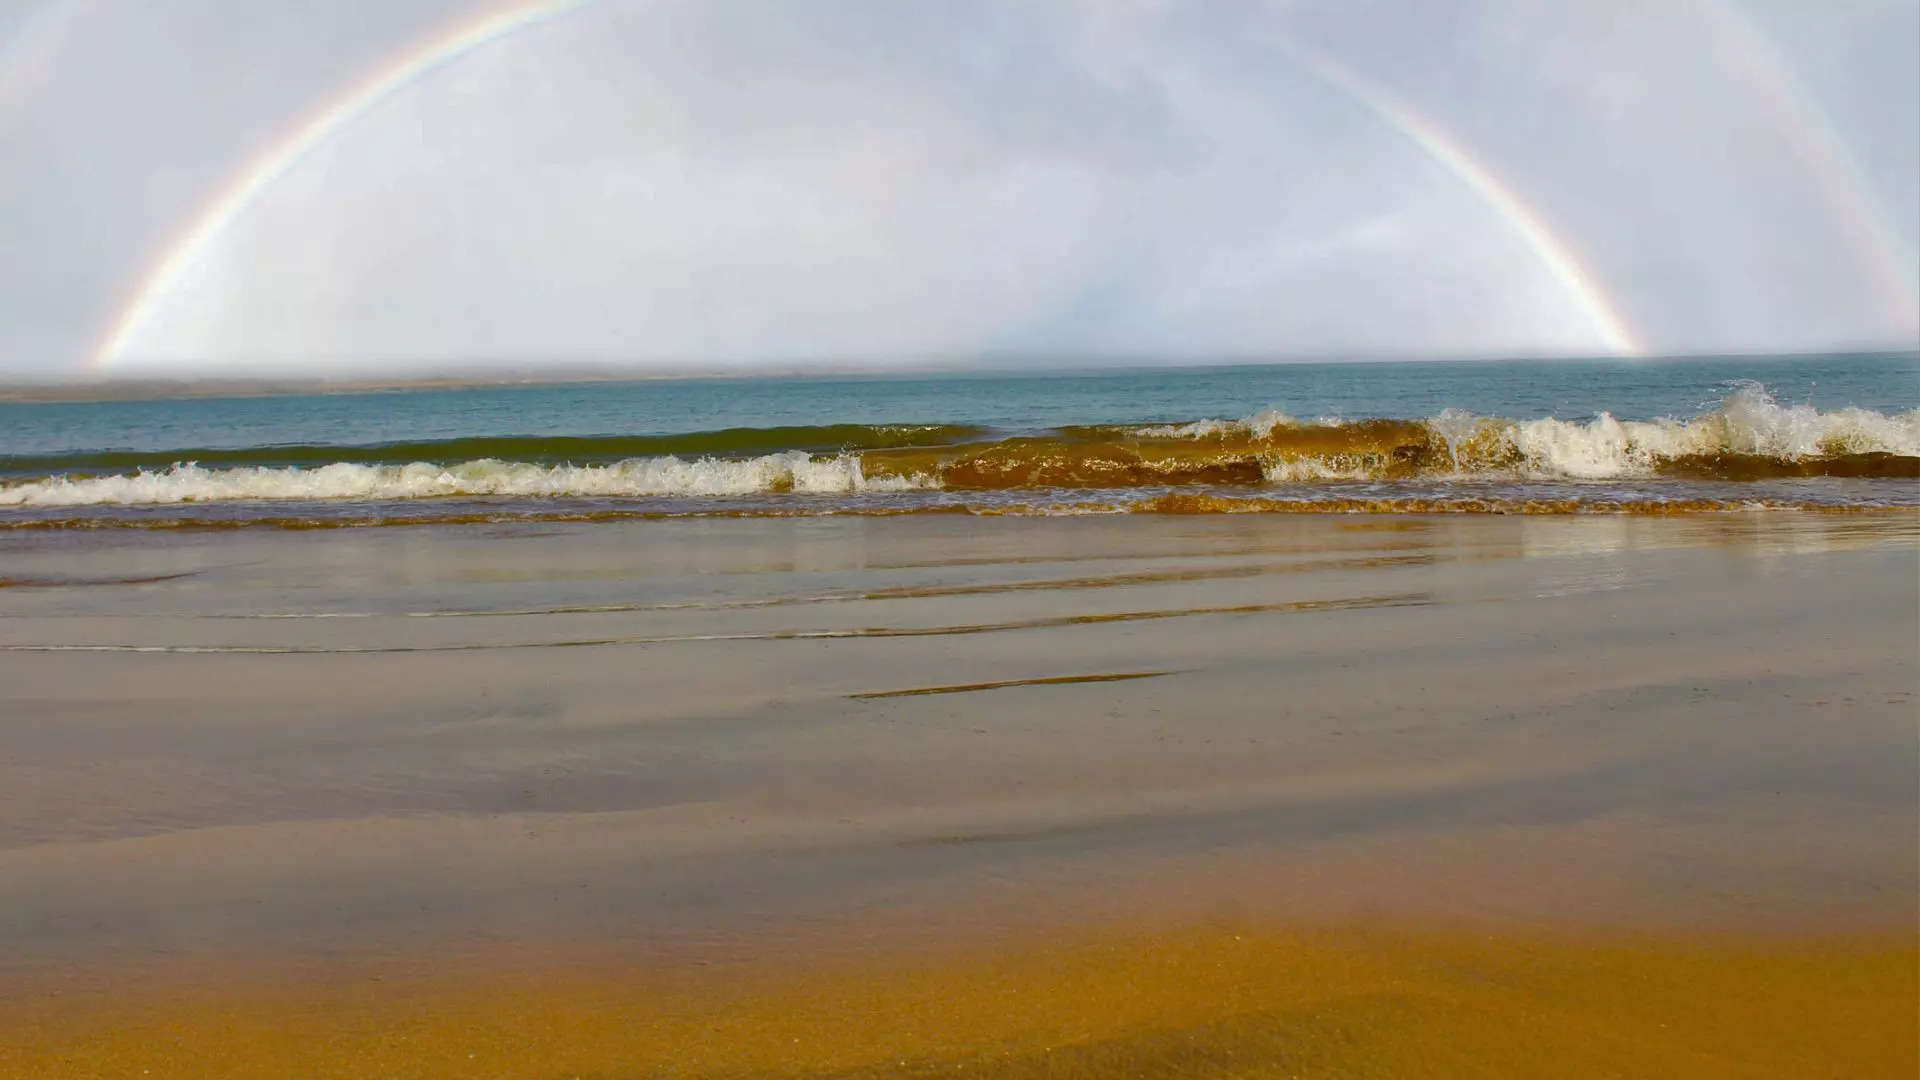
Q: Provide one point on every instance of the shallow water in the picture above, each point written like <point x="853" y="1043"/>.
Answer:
<point x="1589" y="794"/>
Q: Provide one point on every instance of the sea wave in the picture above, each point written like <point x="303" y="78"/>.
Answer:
<point x="792" y="471"/>
<point x="1749" y="436"/>
<point x="531" y="449"/>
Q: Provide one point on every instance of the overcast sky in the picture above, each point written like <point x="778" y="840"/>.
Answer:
<point x="713" y="182"/>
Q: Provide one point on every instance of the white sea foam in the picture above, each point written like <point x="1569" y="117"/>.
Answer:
<point x="188" y="483"/>
<point x="1198" y="429"/>
<point x="1308" y="468"/>
<point x="1748" y="422"/>
<point x="1261" y="424"/>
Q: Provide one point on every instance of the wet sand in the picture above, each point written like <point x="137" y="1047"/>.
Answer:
<point x="1190" y="795"/>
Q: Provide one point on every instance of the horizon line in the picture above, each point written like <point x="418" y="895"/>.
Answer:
<point x="73" y="386"/>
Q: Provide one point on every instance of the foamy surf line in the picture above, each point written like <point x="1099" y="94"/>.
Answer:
<point x="1452" y="462"/>
<point x="790" y="471"/>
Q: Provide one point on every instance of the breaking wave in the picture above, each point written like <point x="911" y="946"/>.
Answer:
<point x="533" y="449"/>
<point x="1748" y="437"/>
<point x="794" y="471"/>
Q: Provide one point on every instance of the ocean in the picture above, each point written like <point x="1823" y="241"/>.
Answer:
<point x="1538" y="436"/>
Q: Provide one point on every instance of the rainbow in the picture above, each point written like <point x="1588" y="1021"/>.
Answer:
<point x="27" y="58"/>
<point x="448" y="44"/>
<point x="231" y="199"/>
<point x="1553" y="251"/>
<point x="1835" y="171"/>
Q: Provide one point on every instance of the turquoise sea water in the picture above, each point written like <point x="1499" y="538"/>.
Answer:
<point x="1567" y="389"/>
<point x="1837" y="428"/>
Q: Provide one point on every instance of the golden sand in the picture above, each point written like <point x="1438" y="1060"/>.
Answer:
<point x="1212" y="1002"/>
<point x="1474" y="796"/>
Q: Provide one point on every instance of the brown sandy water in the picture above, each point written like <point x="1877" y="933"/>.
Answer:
<point x="1190" y="796"/>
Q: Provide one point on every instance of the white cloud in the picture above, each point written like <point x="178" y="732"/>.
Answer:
<point x="720" y="181"/>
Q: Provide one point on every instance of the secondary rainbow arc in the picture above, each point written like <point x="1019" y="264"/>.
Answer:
<point x="1817" y="143"/>
<point x="29" y="56"/>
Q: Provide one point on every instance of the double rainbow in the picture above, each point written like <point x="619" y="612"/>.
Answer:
<point x="1815" y="140"/>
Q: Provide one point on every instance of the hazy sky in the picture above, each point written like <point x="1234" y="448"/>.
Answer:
<point x="714" y="182"/>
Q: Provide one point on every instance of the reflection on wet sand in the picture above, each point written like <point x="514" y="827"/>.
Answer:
<point x="1047" y="680"/>
<point x="862" y="797"/>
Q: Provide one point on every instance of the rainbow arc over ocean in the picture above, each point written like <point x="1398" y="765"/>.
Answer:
<point x="1556" y="253"/>
<point x="435" y="50"/>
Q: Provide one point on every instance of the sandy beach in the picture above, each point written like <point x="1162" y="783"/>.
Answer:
<point x="714" y="540"/>
<point x="860" y="796"/>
